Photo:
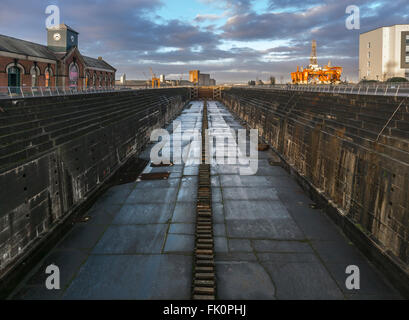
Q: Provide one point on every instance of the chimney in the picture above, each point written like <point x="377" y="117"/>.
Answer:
<point x="100" y="58"/>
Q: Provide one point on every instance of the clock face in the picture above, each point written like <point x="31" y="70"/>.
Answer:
<point x="57" y="36"/>
<point x="72" y="39"/>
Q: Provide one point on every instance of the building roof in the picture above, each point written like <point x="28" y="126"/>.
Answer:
<point x="97" y="63"/>
<point x="394" y="25"/>
<point x="18" y="46"/>
<point x="27" y="48"/>
<point x="62" y="26"/>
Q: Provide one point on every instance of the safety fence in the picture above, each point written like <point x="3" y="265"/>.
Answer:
<point x="380" y="89"/>
<point x="28" y="92"/>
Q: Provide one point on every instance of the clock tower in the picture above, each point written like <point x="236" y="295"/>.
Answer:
<point x="61" y="38"/>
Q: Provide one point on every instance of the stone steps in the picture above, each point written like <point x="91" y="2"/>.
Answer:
<point x="360" y="119"/>
<point x="49" y="131"/>
<point x="357" y="126"/>
<point x="38" y="127"/>
<point x="46" y="119"/>
<point x="47" y="178"/>
<point x="62" y="110"/>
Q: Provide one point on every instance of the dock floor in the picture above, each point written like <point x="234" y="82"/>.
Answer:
<point x="270" y="241"/>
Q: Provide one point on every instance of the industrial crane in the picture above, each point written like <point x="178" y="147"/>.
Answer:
<point x="147" y="79"/>
<point x="155" y="80"/>
<point x="314" y="73"/>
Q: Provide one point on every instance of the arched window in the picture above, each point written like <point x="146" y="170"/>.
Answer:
<point x="100" y="80"/>
<point x="94" y="80"/>
<point x="73" y="75"/>
<point x="34" y="72"/>
<point x="14" y="76"/>
<point x="48" y="74"/>
<point x="87" y="80"/>
<point x="106" y="80"/>
<point x="47" y="78"/>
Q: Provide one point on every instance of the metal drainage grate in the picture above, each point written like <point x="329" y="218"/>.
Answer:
<point x="262" y="147"/>
<point x="204" y="275"/>
<point x="129" y="172"/>
<point x="274" y="161"/>
<point x="161" y="165"/>
<point x="155" y="176"/>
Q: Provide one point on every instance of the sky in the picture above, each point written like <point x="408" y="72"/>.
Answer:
<point x="233" y="40"/>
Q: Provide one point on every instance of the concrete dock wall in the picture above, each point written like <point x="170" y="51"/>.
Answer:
<point x="55" y="152"/>
<point x="332" y="142"/>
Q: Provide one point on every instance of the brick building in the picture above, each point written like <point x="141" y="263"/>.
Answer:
<point x="60" y="63"/>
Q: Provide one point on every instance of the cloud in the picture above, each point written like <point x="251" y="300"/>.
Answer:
<point x="136" y="34"/>
<point x="205" y="17"/>
<point x="254" y="26"/>
<point x="286" y="4"/>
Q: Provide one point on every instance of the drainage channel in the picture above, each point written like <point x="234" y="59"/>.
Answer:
<point x="204" y="275"/>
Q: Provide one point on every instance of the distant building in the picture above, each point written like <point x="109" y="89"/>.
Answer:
<point x="201" y="79"/>
<point x="384" y="53"/>
<point x="134" y="83"/>
<point x="162" y="78"/>
<point x="204" y="79"/>
<point x="60" y="63"/>
<point x="123" y="79"/>
<point x="194" y="76"/>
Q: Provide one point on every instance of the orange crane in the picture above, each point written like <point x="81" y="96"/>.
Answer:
<point x="155" y="80"/>
<point x="316" y="74"/>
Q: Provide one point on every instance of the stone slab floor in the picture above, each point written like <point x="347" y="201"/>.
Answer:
<point x="270" y="244"/>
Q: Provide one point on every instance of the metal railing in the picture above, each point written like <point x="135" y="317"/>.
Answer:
<point x="28" y="92"/>
<point x="379" y="89"/>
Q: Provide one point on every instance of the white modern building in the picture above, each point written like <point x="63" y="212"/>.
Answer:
<point x="384" y="53"/>
<point x="123" y="79"/>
